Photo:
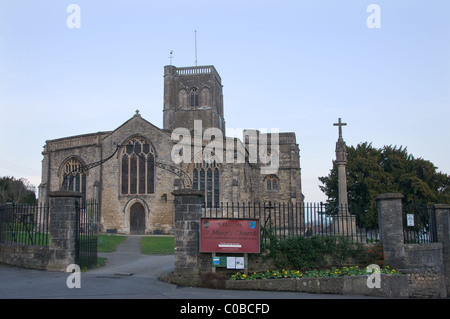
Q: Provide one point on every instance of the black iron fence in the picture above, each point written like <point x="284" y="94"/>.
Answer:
<point x="87" y="233"/>
<point x="304" y="219"/>
<point x="24" y="224"/>
<point x="419" y="224"/>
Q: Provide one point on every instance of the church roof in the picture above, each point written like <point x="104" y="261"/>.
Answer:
<point x="138" y="116"/>
<point x="90" y="138"/>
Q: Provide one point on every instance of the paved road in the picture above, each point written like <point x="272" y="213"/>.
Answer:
<point x="127" y="274"/>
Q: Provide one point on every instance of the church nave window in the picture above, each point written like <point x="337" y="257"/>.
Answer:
<point x="206" y="178"/>
<point x="72" y="178"/>
<point x="137" y="168"/>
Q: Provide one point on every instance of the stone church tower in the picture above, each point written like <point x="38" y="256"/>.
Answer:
<point x="134" y="187"/>
<point x="193" y="93"/>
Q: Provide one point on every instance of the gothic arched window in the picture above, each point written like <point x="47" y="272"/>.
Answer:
<point x="137" y="167"/>
<point x="182" y="98"/>
<point x="272" y="183"/>
<point x="194" y="97"/>
<point x="206" y="178"/>
<point x="72" y="177"/>
<point x="205" y="97"/>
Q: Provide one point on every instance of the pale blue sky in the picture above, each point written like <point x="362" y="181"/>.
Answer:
<point x="293" y="65"/>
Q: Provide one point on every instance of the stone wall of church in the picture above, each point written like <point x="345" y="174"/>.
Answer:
<point x="86" y="149"/>
<point x="236" y="184"/>
<point x="288" y="177"/>
<point x="158" y="206"/>
<point x="239" y="182"/>
<point x="115" y="207"/>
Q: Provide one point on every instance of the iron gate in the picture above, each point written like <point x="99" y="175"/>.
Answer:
<point x="86" y="233"/>
<point x="419" y="224"/>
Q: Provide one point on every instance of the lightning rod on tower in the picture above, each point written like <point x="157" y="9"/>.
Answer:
<point x="195" y="47"/>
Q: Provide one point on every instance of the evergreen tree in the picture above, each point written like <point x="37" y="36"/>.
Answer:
<point x="16" y="190"/>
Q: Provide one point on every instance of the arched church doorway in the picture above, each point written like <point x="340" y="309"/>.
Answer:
<point x="137" y="219"/>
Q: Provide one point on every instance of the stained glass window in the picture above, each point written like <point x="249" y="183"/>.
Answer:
<point x="206" y="178"/>
<point x="137" y="167"/>
<point x="73" y="178"/>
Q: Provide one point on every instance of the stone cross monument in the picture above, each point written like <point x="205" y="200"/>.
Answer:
<point x="341" y="162"/>
<point x="344" y="223"/>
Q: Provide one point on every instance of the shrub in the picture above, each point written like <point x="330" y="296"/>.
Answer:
<point x="373" y="255"/>
<point x="317" y="251"/>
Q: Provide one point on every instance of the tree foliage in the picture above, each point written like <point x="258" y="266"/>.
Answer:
<point x="16" y="190"/>
<point x="372" y="171"/>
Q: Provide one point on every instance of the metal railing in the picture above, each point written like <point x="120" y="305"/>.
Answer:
<point x="87" y="233"/>
<point x="419" y="224"/>
<point x="302" y="219"/>
<point x="24" y="224"/>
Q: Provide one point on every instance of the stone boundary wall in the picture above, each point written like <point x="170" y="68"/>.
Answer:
<point x="26" y="256"/>
<point x="423" y="255"/>
<point x="425" y="268"/>
<point x="426" y="283"/>
<point x="428" y="265"/>
<point x="414" y="285"/>
<point x="61" y="250"/>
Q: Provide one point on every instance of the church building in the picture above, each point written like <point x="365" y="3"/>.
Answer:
<point x="132" y="170"/>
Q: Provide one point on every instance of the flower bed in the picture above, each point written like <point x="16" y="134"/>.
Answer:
<point x="345" y="280"/>
<point x="333" y="272"/>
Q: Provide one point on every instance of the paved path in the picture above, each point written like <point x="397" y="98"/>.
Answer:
<point x="128" y="259"/>
<point x="127" y="274"/>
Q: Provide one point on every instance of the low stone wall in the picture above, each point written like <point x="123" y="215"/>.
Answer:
<point x="24" y="256"/>
<point x="414" y="285"/>
<point x="426" y="283"/>
<point x="424" y="255"/>
<point x="61" y="249"/>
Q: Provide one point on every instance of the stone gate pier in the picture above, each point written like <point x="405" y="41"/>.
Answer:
<point x="188" y="211"/>
<point x="427" y="265"/>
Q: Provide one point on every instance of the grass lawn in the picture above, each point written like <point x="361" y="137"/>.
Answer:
<point x="157" y="245"/>
<point x="149" y="245"/>
<point x="108" y="243"/>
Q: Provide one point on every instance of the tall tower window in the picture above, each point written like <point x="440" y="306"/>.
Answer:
<point x="137" y="167"/>
<point x="194" y="97"/>
<point x="182" y="98"/>
<point x="206" y="178"/>
<point x="205" y="97"/>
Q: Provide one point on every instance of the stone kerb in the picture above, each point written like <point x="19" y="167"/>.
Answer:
<point x="188" y="205"/>
<point x="62" y="229"/>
